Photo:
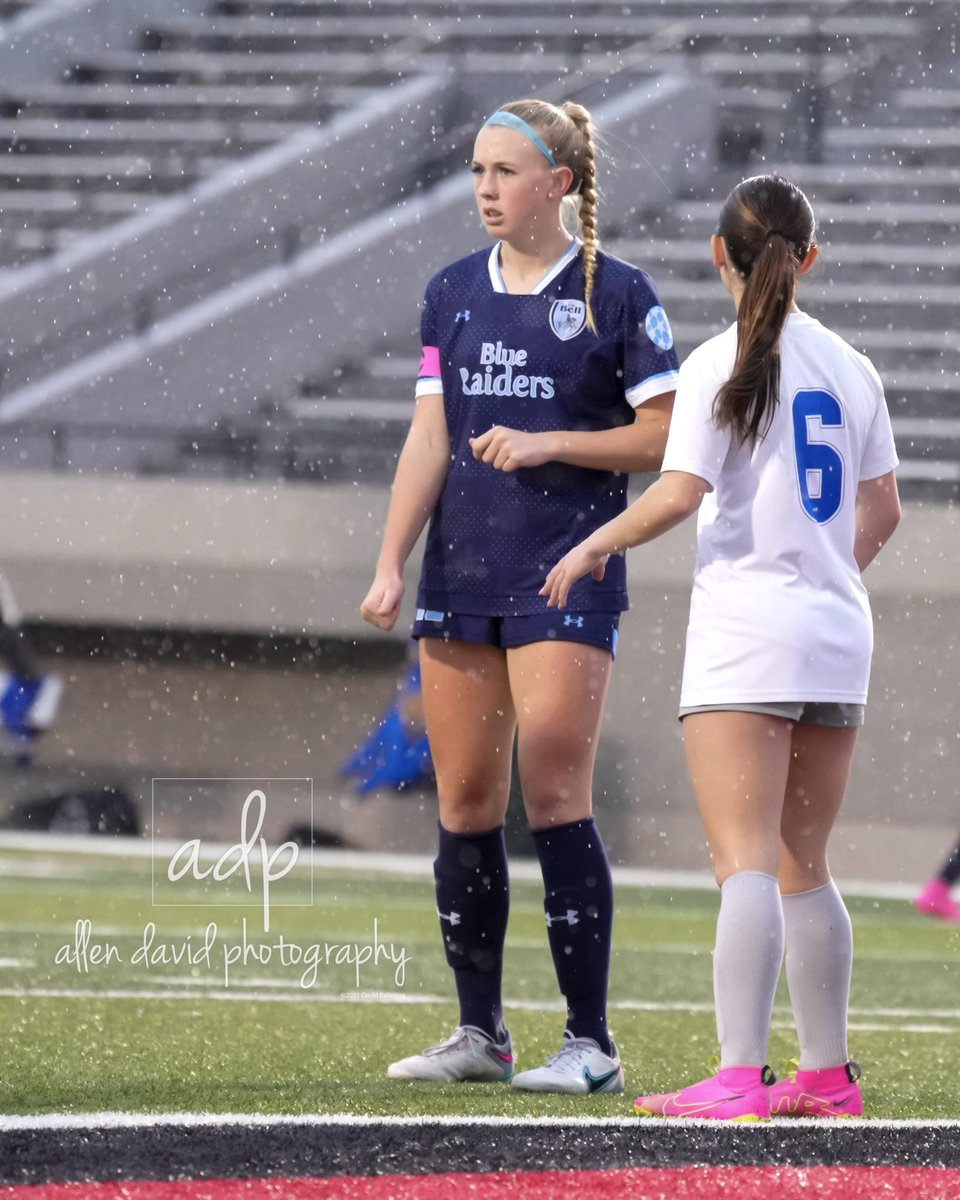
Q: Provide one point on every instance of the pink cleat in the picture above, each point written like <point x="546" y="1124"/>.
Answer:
<point x="830" y="1092"/>
<point x="935" y="900"/>
<point x="733" y="1094"/>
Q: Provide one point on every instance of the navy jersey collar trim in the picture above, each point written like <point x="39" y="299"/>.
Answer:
<point x="496" y="279"/>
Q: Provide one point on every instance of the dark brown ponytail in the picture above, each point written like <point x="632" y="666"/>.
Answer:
<point x="768" y="227"/>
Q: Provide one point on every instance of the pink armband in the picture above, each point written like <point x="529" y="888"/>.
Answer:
<point x="429" y="363"/>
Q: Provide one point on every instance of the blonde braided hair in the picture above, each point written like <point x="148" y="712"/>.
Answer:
<point x="568" y="131"/>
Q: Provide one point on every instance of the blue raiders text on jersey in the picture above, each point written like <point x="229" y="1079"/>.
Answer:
<point x="529" y="362"/>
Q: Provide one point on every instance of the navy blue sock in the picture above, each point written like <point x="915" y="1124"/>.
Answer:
<point x="473" y="902"/>
<point x="579" y="908"/>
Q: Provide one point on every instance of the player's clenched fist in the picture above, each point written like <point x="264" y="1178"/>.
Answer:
<point x="508" y="449"/>
<point x="381" y="606"/>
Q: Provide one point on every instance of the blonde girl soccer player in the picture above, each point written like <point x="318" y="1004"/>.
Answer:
<point x="548" y="373"/>
<point x="782" y="441"/>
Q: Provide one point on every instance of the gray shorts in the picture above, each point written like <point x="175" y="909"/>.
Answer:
<point x="804" y="712"/>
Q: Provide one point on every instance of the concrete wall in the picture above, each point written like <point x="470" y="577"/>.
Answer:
<point x="290" y="558"/>
<point x="271" y="558"/>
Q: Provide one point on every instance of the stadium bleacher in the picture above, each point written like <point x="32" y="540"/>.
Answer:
<point x="854" y="99"/>
<point x="12" y="8"/>
<point x="890" y="277"/>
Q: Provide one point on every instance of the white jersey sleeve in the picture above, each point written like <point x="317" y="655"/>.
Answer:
<point x="694" y="443"/>
<point x="879" y="450"/>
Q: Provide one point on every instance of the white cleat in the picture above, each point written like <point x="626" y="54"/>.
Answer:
<point x="468" y="1054"/>
<point x="579" y="1068"/>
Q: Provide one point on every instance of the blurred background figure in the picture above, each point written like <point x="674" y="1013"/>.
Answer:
<point x="935" y="900"/>
<point x="29" y="699"/>
<point x="397" y="754"/>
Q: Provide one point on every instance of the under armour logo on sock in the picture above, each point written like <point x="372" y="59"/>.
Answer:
<point x="570" y="917"/>
<point x="453" y="918"/>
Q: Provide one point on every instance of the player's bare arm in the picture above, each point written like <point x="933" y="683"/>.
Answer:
<point x="628" y="448"/>
<point x="666" y="503"/>
<point x="421" y="471"/>
<point x="878" y="515"/>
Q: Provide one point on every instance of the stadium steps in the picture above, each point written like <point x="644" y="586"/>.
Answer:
<point x="862" y="183"/>
<point x="871" y="279"/>
<point x="201" y="90"/>
<point x="529" y="9"/>
<point x="169" y="155"/>
<point x="357" y="31"/>
<point x="230" y="67"/>
<point x="9" y="9"/>
<point x="911" y="222"/>
<point x="843" y="306"/>
<point x="896" y="145"/>
<point x="76" y="172"/>
<point x="202" y="101"/>
<point x="894" y="299"/>
<point x="547" y="9"/>
<point x="850" y="261"/>
<point x="936" y="106"/>
<point x="377" y="408"/>
<point x="158" y="124"/>
<point x="22" y="210"/>
<point x="890" y="281"/>
<point x="185" y="138"/>
<point x="92" y="172"/>
<point x="755" y="53"/>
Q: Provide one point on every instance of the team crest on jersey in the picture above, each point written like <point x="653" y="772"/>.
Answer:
<point x="658" y="328"/>
<point x="567" y="318"/>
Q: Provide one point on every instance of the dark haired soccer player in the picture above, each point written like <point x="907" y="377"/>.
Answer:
<point x="781" y="440"/>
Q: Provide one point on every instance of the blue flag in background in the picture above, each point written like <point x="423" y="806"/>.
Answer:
<point x="397" y="753"/>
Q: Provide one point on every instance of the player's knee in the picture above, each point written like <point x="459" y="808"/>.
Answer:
<point x="470" y="810"/>
<point x="559" y="807"/>
<point x="729" y="860"/>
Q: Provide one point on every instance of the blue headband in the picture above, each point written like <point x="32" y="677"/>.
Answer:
<point x="512" y="121"/>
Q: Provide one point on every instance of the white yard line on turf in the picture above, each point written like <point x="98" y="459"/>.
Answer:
<point x="300" y="996"/>
<point x="420" y="866"/>
<point x="876" y="1027"/>
<point x="896" y="1018"/>
<point x="132" y="1120"/>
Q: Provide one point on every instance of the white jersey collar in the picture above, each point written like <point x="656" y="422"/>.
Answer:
<point x="496" y="279"/>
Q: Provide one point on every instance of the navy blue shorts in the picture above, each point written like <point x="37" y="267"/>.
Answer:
<point x="556" y="625"/>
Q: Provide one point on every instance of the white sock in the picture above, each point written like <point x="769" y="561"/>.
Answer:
<point x="819" y="959"/>
<point x="746" y="966"/>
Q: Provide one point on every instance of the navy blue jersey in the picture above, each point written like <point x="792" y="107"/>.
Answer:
<point x="529" y="362"/>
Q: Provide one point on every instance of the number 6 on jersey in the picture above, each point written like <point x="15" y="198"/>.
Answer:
<point x="819" y="464"/>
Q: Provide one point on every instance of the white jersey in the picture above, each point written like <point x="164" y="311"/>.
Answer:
<point x="778" y="610"/>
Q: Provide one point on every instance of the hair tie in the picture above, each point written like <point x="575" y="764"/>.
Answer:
<point x="512" y="121"/>
<point x="800" y="252"/>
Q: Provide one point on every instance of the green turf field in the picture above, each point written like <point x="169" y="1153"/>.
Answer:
<point x="98" y="1021"/>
